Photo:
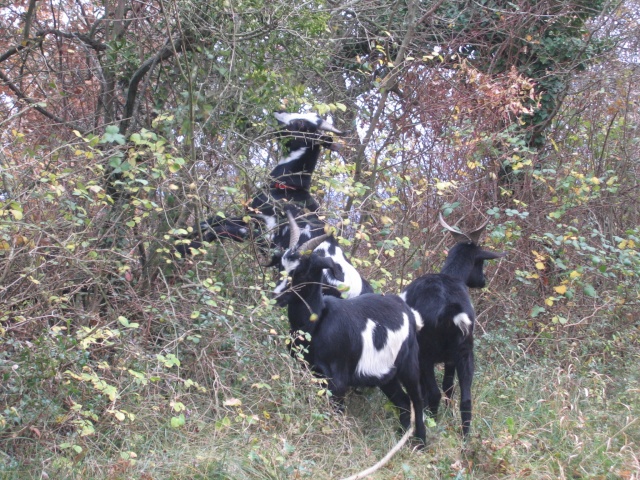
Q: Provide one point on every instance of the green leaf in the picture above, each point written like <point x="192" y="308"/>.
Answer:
<point x="590" y="291"/>
<point x="537" y="310"/>
<point x="177" y="422"/>
<point x="112" y="135"/>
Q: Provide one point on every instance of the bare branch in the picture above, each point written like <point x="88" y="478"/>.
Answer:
<point x="35" y="104"/>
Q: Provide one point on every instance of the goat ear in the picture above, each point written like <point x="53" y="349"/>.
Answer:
<point x="327" y="262"/>
<point x="276" y="259"/>
<point x="489" y="255"/>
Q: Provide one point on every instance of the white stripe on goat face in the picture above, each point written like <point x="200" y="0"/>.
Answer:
<point x="289" y="266"/>
<point x="286" y="118"/>
<point x="378" y="363"/>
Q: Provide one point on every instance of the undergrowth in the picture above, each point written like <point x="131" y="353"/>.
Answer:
<point x="234" y="404"/>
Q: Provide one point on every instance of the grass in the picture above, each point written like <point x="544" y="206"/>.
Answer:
<point x="555" y="414"/>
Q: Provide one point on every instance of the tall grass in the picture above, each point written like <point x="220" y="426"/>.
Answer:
<point x="563" y="412"/>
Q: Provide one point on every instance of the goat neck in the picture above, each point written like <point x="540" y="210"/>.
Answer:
<point x="307" y="303"/>
<point x="460" y="261"/>
<point x="295" y="169"/>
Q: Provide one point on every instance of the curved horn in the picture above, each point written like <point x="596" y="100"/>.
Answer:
<point x="294" y="231"/>
<point x="475" y="235"/>
<point x="312" y="243"/>
<point x="324" y="125"/>
<point x="456" y="234"/>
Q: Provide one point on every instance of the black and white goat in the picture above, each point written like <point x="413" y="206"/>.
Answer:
<point x="369" y="340"/>
<point x="289" y="190"/>
<point x="447" y="336"/>
<point x="334" y="280"/>
<point x="290" y="181"/>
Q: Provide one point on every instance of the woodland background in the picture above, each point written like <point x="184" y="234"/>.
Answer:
<point x="124" y="122"/>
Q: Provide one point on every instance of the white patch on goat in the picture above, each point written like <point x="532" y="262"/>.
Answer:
<point x="418" y="318"/>
<point x="289" y="266"/>
<point x="271" y="223"/>
<point x="416" y="315"/>
<point x="378" y="363"/>
<point x="351" y="276"/>
<point x="463" y="322"/>
<point x="293" y="156"/>
<point x="286" y="118"/>
<point x="306" y="231"/>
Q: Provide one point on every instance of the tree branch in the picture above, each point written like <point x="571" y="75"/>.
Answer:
<point x="33" y="103"/>
<point x="181" y="43"/>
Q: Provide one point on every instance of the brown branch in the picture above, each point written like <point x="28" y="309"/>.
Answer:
<point x="181" y="43"/>
<point x="86" y="39"/>
<point x="389" y="84"/>
<point x="35" y="104"/>
<point x="28" y="18"/>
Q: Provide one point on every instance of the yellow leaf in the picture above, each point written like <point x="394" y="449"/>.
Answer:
<point x="540" y="265"/>
<point x="561" y="289"/>
<point x="549" y="301"/>
<point x="232" y="402"/>
<point x="574" y="274"/>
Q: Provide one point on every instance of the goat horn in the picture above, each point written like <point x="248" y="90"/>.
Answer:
<point x="294" y="231"/>
<point x="475" y="235"/>
<point x="324" y="125"/>
<point x="312" y="243"/>
<point x="456" y="234"/>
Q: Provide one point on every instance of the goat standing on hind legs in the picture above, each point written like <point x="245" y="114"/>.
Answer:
<point x="289" y="191"/>
<point x="290" y="182"/>
<point x="445" y="305"/>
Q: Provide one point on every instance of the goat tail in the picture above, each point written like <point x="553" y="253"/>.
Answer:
<point x="454" y="313"/>
<point x="391" y="453"/>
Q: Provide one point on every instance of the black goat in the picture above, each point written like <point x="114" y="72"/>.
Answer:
<point x="447" y="336"/>
<point x="369" y="340"/>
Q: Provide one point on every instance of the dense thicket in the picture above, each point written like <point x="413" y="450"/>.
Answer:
<point x="123" y="122"/>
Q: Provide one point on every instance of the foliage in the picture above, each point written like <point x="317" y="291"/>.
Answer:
<point x="123" y="124"/>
